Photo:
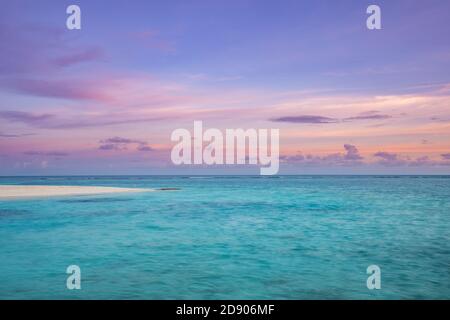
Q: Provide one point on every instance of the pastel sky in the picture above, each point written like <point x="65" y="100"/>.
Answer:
<point x="105" y="99"/>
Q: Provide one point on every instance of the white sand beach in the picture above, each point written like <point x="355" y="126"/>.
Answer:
<point x="17" y="191"/>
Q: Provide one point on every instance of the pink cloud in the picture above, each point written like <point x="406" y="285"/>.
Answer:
<point x="74" y="89"/>
<point x="36" y="59"/>
<point x="84" y="55"/>
<point x="38" y="50"/>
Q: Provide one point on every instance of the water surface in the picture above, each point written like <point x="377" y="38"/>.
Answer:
<point x="285" y="237"/>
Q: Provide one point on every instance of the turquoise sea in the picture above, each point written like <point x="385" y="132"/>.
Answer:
<point x="247" y="237"/>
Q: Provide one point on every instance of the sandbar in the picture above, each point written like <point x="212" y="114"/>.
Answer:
<point x="18" y="191"/>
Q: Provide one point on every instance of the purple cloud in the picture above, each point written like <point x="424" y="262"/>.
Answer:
<point x="35" y="56"/>
<point x="369" y="117"/>
<point x="145" y="148"/>
<point x="439" y="119"/>
<point x="51" y="121"/>
<point x="25" y="117"/>
<point x="425" y="161"/>
<point x="305" y="119"/>
<point x="6" y="135"/>
<point x="110" y="146"/>
<point x="386" y="156"/>
<point x="119" y="143"/>
<point x="421" y="161"/>
<point x="296" y="158"/>
<point x="352" y="153"/>
<point x="65" y="89"/>
<point x="120" y="140"/>
<point x="48" y="153"/>
<point x="35" y="49"/>
<point x="390" y="159"/>
<point x="85" y="55"/>
<point x="393" y="159"/>
<point x="351" y="156"/>
<point x="101" y="120"/>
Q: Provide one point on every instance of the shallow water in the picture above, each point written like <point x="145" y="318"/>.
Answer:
<point x="287" y="237"/>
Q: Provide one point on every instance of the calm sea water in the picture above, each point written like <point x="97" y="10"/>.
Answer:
<point x="288" y="237"/>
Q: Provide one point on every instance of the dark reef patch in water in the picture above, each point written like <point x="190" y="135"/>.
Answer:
<point x="96" y="200"/>
<point x="5" y="213"/>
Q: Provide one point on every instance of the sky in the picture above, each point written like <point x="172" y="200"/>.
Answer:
<point x="105" y="99"/>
